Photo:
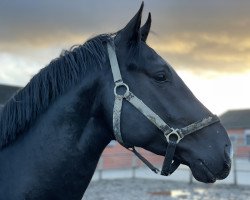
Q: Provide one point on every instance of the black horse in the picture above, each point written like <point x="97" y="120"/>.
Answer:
<point x="53" y="131"/>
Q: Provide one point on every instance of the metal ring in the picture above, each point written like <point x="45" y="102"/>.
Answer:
<point x="174" y="132"/>
<point x="121" y="84"/>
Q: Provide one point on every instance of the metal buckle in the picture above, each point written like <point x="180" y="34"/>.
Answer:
<point x="176" y="132"/>
<point x="121" y="84"/>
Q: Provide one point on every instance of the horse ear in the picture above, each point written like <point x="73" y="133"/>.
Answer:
<point x="131" y="32"/>
<point x="146" y="28"/>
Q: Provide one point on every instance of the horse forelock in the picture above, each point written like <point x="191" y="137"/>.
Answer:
<point x="68" y="69"/>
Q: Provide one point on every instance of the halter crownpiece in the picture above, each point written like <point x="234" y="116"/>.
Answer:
<point x="172" y="135"/>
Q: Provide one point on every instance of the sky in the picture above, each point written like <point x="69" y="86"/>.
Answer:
<point x="207" y="42"/>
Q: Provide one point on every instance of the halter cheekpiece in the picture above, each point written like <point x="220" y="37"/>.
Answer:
<point x="172" y="135"/>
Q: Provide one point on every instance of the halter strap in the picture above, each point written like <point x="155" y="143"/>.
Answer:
<point x="172" y="135"/>
<point x="114" y="63"/>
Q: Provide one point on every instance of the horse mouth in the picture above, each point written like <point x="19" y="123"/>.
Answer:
<point x="202" y="173"/>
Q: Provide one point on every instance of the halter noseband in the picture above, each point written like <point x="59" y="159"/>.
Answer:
<point x="172" y="135"/>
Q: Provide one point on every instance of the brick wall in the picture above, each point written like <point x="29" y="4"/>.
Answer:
<point x="115" y="156"/>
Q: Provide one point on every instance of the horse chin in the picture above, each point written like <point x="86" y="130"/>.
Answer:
<point x="202" y="173"/>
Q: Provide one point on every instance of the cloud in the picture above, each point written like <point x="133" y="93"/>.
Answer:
<point x="204" y="37"/>
<point x="220" y="93"/>
<point x="175" y="46"/>
<point x="200" y="52"/>
<point x="16" y="70"/>
<point x="31" y="20"/>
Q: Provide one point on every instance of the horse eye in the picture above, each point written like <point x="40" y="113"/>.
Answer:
<point x="160" y="77"/>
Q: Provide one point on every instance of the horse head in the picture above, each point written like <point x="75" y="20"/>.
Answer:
<point x="154" y="81"/>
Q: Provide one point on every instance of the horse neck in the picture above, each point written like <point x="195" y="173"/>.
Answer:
<point x="70" y="138"/>
<point x="86" y="131"/>
<point x="91" y="132"/>
<point x="91" y="144"/>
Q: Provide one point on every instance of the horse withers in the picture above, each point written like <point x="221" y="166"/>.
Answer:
<point x="53" y="131"/>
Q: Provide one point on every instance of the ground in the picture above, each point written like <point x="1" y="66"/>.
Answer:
<point x="148" y="189"/>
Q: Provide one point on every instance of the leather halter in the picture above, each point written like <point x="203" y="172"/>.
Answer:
<point x="172" y="135"/>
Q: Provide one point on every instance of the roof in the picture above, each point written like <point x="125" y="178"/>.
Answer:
<point x="236" y="119"/>
<point x="6" y="93"/>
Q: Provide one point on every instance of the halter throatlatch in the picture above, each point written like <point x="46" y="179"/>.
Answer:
<point x="172" y="135"/>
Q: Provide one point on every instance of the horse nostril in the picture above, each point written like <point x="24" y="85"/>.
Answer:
<point x="228" y="152"/>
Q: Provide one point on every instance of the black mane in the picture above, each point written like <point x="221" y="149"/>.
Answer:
<point x="55" y="79"/>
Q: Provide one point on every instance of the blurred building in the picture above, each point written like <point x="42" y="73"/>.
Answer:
<point x="237" y="124"/>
